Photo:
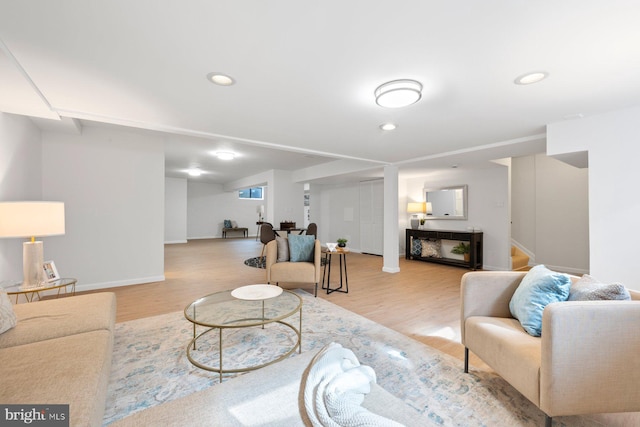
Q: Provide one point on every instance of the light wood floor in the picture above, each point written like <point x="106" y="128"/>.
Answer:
<point x="421" y="301"/>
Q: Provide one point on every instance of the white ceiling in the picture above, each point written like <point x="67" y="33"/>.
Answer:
<point x="306" y="71"/>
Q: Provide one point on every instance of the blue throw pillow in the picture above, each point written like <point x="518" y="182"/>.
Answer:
<point x="416" y="247"/>
<point x="301" y="248"/>
<point x="227" y="223"/>
<point x="539" y="287"/>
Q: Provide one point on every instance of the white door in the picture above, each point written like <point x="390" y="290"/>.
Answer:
<point x="372" y="217"/>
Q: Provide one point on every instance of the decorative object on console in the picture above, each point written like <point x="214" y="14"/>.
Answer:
<point x="462" y="248"/>
<point x="32" y="219"/>
<point x="341" y="242"/>
<point x="431" y="249"/>
<point x="415" y="208"/>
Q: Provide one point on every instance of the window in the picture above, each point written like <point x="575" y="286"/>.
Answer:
<point x="251" y="193"/>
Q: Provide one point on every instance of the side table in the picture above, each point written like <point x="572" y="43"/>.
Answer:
<point x="342" y="257"/>
<point x="30" y="293"/>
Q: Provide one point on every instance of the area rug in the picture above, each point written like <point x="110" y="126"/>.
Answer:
<point x="150" y="367"/>
<point x="257" y="262"/>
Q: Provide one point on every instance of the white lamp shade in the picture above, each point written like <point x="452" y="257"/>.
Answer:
<point x="413" y="207"/>
<point x="260" y="209"/>
<point x="31" y="219"/>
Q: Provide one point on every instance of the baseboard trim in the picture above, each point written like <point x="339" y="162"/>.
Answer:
<point x="175" y="242"/>
<point x="118" y="283"/>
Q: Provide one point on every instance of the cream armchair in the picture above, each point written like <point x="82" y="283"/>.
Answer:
<point x="298" y="272"/>
<point x="585" y="362"/>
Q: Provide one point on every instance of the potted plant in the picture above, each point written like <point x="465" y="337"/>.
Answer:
<point x="342" y="242"/>
<point x="463" y="249"/>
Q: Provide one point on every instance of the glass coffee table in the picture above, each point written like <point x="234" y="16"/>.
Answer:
<point x="244" y="310"/>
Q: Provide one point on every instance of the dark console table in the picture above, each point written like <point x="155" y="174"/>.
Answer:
<point x="473" y="237"/>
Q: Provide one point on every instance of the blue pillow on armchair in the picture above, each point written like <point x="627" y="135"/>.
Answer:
<point x="538" y="288"/>
<point x="301" y="248"/>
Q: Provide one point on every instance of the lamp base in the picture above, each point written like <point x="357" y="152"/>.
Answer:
<point x="32" y="260"/>
<point x="415" y="223"/>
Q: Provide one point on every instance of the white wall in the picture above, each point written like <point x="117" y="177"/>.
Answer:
<point x="488" y="198"/>
<point x="20" y="179"/>
<point x="336" y="210"/>
<point x="175" y="210"/>
<point x="208" y="205"/>
<point x="614" y="208"/>
<point x="550" y="217"/>
<point x="112" y="184"/>
<point x="287" y="199"/>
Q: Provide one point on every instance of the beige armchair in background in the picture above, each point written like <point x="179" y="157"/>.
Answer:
<point x="293" y="272"/>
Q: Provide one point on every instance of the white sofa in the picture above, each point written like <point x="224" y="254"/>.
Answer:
<point x="271" y="396"/>
<point x="60" y="352"/>
<point x="585" y="362"/>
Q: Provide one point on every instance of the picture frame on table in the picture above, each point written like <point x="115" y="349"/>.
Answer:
<point x="50" y="271"/>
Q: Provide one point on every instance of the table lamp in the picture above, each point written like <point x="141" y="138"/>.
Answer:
<point x="31" y="219"/>
<point x="260" y="210"/>
<point x="415" y="208"/>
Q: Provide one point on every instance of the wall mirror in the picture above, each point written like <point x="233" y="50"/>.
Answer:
<point x="446" y="203"/>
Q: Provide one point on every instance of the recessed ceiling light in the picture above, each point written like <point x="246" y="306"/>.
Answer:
<point x="398" y="93"/>
<point x="194" y="172"/>
<point x="388" y="126"/>
<point x="220" y="79"/>
<point x="225" y="155"/>
<point x="529" y="78"/>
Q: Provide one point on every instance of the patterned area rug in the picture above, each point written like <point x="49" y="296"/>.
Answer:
<point x="257" y="262"/>
<point x="150" y="367"/>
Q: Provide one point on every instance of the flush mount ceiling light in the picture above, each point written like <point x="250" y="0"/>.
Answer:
<point x="388" y="126"/>
<point x="220" y="79"/>
<point x="225" y="155"/>
<point x="529" y="78"/>
<point x="398" y="93"/>
<point x="194" y="172"/>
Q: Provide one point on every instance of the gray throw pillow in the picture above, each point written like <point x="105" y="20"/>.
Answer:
<point x="588" y="288"/>
<point x="283" y="249"/>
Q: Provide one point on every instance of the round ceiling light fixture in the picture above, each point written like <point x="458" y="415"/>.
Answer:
<point x="388" y="126"/>
<point x="529" y="78"/>
<point x="194" y="172"/>
<point x="225" y="155"/>
<point x="220" y="79"/>
<point x="398" y="93"/>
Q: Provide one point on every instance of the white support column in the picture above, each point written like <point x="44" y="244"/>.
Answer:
<point x="391" y="254"/>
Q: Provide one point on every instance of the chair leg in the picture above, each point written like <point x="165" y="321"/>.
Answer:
<point x="315" y="292"/>
<point x="263" y="246"/>
<point x="548" y="421"/>
<point x="466" y="360"/>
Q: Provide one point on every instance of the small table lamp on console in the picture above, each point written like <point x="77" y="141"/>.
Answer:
<point x="31" y="219"/>
<point x="416" y="208"/>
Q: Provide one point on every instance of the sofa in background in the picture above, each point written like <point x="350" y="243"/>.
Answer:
<point x="585" y="362"/>
<point x="60" y="352"/>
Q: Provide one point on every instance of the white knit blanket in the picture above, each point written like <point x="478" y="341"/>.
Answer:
<point x="334" y="390"/>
